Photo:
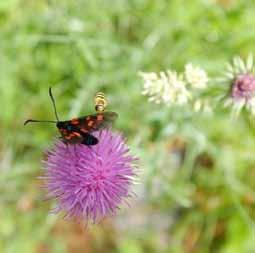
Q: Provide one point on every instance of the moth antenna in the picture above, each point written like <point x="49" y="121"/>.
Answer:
<point x="44" y="121"/>
<point x="54" y="105"/>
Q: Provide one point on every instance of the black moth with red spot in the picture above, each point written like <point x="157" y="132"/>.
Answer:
<point x="80" y="130"/>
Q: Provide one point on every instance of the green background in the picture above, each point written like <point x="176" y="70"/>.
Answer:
<point x="197" y="171"/>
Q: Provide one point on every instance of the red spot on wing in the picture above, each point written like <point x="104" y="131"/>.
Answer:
<point x="90" y="123"/>
<point x="76" y="134"/>
<point x="68" y="137"/>
<point x="83" y="130"/>
<point x="75" y="121"/>
<point x="100" y="117"/>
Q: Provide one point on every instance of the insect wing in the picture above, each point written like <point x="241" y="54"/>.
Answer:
<point x="89" y="140"/>
<point x="78" y="130"/>
<point x="97" y="121"/>
<point x="72" y="137"/>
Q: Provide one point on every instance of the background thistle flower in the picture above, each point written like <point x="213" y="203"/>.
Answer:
<point x="240" y="78"/>
<point x="90" y="182"/>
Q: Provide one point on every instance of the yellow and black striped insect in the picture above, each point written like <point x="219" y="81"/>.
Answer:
<point x="100" y="102"/>
<point x="80" y="130"/>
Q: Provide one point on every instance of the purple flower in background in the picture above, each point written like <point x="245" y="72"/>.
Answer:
<point x="240" y="79"/>
<point x="90" y="182"/>
<point x="243" y="87"/>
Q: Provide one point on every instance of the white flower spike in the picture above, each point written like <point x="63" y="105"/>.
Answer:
<point x="196" y="76"/>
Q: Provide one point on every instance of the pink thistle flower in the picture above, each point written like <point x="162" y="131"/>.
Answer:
<point x="90" y="182"/>
<point x="241" y="80"/>
<point x="243" y="87"/>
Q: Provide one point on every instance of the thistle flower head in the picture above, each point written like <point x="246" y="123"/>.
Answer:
<point x="90" y="182"/>
<point x="167" y="87"/>
<point x="196" y="76"/>
<point x="240" y="79"/>
<point x="243" y="87"/>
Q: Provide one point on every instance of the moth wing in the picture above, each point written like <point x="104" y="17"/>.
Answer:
<point x="71" y="137"/>
<point x="97" y="121"/>
<point x="89" y="139"/>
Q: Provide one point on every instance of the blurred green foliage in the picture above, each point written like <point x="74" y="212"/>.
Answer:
<point x="197" y="171"/>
